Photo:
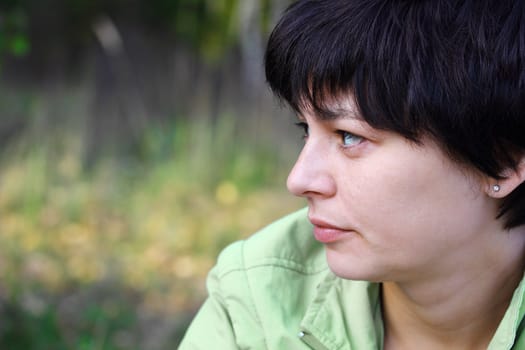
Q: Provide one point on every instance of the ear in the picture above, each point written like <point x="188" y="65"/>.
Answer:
<point x="512" y="178"/>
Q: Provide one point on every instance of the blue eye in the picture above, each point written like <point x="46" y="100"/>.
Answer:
<point x="349" y="139"/>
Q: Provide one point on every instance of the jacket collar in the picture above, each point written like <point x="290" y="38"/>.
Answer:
<point x="511" y="330"/>
<point x="346" y="315"/>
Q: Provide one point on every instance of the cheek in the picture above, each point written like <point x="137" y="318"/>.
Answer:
<point x="375" y="202"/>
<point x="402" y="199"/>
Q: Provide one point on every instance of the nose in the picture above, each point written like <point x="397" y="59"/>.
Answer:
<point x="312" y="174"/>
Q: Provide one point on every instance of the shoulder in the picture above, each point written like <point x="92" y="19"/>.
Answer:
<point x="265" y="283"/>
<point x="287" y="243"/>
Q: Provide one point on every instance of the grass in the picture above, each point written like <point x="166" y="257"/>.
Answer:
<point x="114" y="256"/>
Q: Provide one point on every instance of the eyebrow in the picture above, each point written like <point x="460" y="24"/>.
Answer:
<point x="327" y="113"/>
<point x="332" y="115"/>
<point x="344" y="113"/>
<point x="331" y="111"/>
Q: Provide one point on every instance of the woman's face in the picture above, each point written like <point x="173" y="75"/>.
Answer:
<point x="387" y="209"/>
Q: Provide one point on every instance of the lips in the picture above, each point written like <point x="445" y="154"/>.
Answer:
<point x="325" y="232"/>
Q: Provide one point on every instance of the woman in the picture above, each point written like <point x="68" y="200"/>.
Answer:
<point x="413" y="166"/>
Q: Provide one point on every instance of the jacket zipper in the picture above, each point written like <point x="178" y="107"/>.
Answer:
<point x="311" y="341"/>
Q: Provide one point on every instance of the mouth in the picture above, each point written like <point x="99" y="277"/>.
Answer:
<point x="325" y="232"/>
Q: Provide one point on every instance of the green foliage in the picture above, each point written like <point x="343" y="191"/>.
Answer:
<point x="208" y="25"/>
<point x="13" y="31"/>
<point x="101" y="317"/>
<point x="24" y="330"/>
<point x="87" y="254"/>
<point x="211" y="27"/>
<point x="84" y="254"/>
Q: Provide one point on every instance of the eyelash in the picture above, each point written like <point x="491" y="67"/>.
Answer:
<point x="304" y="126"/>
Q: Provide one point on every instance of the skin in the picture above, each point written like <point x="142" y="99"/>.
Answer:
<point x="406" y="215"/>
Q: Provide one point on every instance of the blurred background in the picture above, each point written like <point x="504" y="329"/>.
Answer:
<point x="138" y="139"/>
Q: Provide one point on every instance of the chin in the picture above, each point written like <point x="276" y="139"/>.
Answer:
<point x="352" y="269"/>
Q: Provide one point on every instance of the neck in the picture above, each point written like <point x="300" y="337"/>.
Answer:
<point x="460" y="309"/>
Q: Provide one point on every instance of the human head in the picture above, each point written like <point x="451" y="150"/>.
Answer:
<point x="450" y="70"/>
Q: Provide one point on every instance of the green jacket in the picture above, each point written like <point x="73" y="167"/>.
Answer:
<point x="275" y="291"/>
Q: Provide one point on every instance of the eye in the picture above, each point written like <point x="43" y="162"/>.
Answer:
<point x="348" y="139"/>
<point x="304" y="127"/>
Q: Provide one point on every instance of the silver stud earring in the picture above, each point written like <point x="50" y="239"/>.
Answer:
<point x="496" y="188"/>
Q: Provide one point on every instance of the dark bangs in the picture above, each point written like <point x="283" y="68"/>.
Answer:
<point x="449" y="69"/>
<point x="376" y="50"/>
<point x="414" y="67"/>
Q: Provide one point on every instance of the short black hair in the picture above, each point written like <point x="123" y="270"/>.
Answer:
<point x="451" y="70"/>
